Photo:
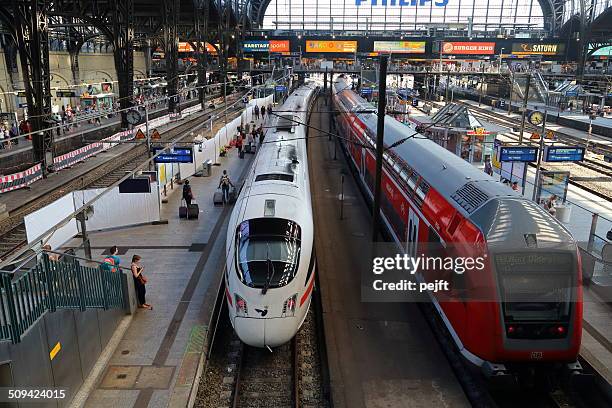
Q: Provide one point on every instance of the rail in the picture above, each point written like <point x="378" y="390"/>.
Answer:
<point x="51" y="285"/>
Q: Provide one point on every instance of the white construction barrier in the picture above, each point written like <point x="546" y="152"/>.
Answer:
<point x="47" y="217"/>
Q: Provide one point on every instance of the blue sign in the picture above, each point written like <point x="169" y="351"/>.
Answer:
<point x="518" y="154"/>
<point x="571" y="93"/>
<point x="401" y="3"/>
<point x="175" y="155"/>
<point x="256" y="46"/>
<point x="415" y="102"/>
<point x="563" y="153"/>
<point x="281" y="88"/>
<point x="366" y="91"/>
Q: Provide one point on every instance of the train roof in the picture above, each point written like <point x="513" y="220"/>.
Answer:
<point x="459" y="182"/>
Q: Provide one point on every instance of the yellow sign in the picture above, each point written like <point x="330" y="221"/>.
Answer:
<point x="479" y="131"/>
<point x="331" y="46"/>
<point x="550" y="135"/>
<point x="140" y="135"/>
<point x="400" y="47"/>
<point x="55" y="350"/>
<point x="155" y="134"/>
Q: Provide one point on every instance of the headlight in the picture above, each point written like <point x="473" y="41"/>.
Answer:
<point x="241" y="306"/>
<point x="289" y="306"/>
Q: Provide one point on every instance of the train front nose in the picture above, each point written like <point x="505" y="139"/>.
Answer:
<point x="272" y="332"/>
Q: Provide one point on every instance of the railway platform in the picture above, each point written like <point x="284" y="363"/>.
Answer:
<point x="85" y="128"/>
<point x="155" y="360"/>
<point x="379" y="354"/>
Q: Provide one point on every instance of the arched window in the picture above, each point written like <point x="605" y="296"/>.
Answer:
<point x="382" y="15"/>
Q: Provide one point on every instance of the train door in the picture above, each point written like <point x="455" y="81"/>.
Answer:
<point x="412" y="233"/>
<point x="362" y="168"/>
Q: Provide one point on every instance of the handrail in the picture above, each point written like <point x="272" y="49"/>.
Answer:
<point x="51" y="285"/>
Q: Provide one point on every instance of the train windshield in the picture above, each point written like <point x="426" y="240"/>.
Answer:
<point x="268" y="252"/>
<point x="536" y="287"/>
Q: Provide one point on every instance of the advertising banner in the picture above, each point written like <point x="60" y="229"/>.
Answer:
<point x="186" y="47"/>
<point x="331" y="46"/>
<point x="538" y="49"/>
<point x="279" y="46"/>
<point x="468" y="48"/>
<point x="266" y="46"/>
<point x="400" y="47"/>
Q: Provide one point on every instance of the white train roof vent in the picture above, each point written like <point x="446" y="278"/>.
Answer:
<point x="285" y="122"/>
<point x="269" y="208"/>
<point x="275" y="176"/>
<point x="470" y="197"/>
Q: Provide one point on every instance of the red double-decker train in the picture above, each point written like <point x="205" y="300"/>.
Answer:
<point x="525" y="306"/>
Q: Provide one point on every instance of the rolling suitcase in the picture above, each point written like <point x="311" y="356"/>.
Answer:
<point x="247" y="148"/>
<point x="193" y="211"/>
<point x="232" y="195"/>
<point x="218" y="198"/>
<point x="183" y="209"/>
<point x="241" y="154"/>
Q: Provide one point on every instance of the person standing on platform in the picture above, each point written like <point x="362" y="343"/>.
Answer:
<point x="263" y="112"/>
<point x="224" y="185"/>
<point x="187" y="193"/>
<point x="515" y="186"/>
<point x="139" y="282"/>
<point x="488" y="167"/>
<point x="256" y="112"/>
<point x="112" y="261"/>
<point x="269" y="110"/>
<point x="239" y="145"/>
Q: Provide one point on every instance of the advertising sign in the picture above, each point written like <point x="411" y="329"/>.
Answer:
<point x="186" y="47"/>
<point x="468" y="48"/>
<point x="266" y="46"/>
<point x="400" y="47"/>
<point x="279" y="46"/>
<point x="518" y="153"/>
<point x="563" y="153"/>
<point x="256" y="46"/>
<point x="331" y="46"/>
<point x="537" y="49"/>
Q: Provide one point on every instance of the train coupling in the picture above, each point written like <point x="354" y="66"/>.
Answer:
<point x="497" y="374"/>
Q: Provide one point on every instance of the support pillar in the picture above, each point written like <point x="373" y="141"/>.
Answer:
<point x="10" y="60"/>
<point x="74" y="49"/>
<point x="123" y="51"/>
<point x="171" y="15"/>
<point x="32" y="33"/>
<point x="201" y="14"/>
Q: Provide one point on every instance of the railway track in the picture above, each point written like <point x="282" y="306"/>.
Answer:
<point x="12" y="229"/>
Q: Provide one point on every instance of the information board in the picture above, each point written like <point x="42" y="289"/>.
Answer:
<point x="563" y="153"/>
<point x="281" y="88"/>
<point x="518" y="153"/>
<point x="175" y="155"/>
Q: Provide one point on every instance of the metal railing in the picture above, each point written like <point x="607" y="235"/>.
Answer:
<point x="51" y="285"/>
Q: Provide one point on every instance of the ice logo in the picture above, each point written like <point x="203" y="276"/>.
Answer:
<point x="401" y="3"/>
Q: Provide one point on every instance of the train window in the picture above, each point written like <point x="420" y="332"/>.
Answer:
<point x="267" y="252"/>
<point x="421" y="192"/>
<point x="275" y="176"/>
<point x="397" y="167"/>
<point x="452" y="227"/>
<point x="404" y="174"/>
<point x="412" y="181"/>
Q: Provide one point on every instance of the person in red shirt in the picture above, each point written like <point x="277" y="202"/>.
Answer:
<point x="239" y="145"/>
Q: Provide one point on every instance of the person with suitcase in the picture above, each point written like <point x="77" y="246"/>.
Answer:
<point x="224" y="185"/>
<point x="187" y="193"/>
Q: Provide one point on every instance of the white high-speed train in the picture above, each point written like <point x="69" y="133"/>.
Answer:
<point x="270" y="239"/>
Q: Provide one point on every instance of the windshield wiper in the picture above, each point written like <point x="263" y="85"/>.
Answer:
<point x="270" y="272"/>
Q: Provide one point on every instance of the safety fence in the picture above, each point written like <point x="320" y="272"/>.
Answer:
<point x="52" y="285"/>
<point x="21" y="179"/>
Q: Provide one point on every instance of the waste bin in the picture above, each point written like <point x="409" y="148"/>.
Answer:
<point x="206" y="168"/>
<point x="563" y="213"/>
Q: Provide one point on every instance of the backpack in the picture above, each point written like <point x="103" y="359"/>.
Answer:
<point x="225" y="180"/>
<point x="109" y="264"/>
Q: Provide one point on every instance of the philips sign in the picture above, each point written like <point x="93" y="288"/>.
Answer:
<point x="401" y="3"/>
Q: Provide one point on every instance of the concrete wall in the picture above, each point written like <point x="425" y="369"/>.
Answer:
<point x="93" y="67"/>
<point x="82" y="336"/>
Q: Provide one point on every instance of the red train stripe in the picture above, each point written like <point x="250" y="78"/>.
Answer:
<point x="308" y="291"/>
<point x="229" y="297"/>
